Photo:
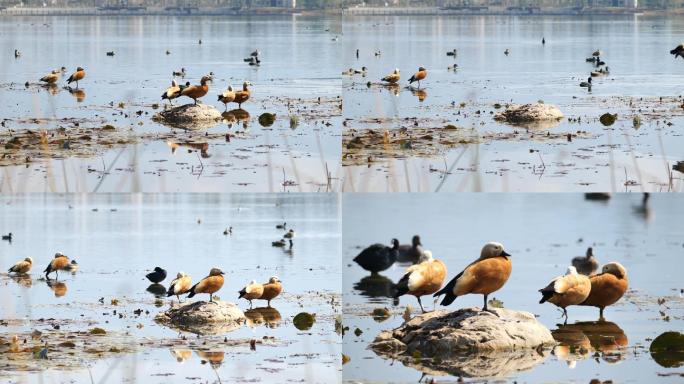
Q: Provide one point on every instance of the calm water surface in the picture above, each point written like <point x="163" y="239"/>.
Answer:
<point x="542" y="233"/>
<point x="636" y="49"/>
<point x="115" y="249"/>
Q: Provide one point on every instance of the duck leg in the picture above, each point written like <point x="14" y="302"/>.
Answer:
<point x="565" y="314"/>
<point x="485" y="303"/>
<point x="291" y="243"/>
<point x="421" y="304"/>
<point x="269" y="304"/>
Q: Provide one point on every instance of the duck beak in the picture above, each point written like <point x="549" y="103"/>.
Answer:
<point x="223" y="273"/>
<point x="504" y="253"/>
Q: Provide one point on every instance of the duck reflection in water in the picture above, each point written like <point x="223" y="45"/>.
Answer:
<point x="375" y="286"/>
<point x="214" y="358"/>
<point x="602" y="339"/>
<point x="158" y="290"/>
<point x="269" y="317"/>
<point x="79" y="94"/>
<point x="58" y="287"/>
<point x="421" y="94"/>
<point x="23" y="280"/>
<point x="202" y="147"/>
<point x="180" y="354"/>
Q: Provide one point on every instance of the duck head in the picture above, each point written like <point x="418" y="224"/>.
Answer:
<point x="274" y="279"/>
<point x="216" y="272"/>
<point x="416" y="241"/>
<point x="616" y="269"/>
<point x="493" y="249"/>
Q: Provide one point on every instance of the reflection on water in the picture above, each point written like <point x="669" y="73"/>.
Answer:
<point x="266" y="316"/>
<point x="58" y="287"/>
<point x="157" y="290"/>
<point x="23" y="280"/>
<point x="180" y="354"/>
<point x="668" y="349"/>
<point x="375" y="285"/>
<point x="582" y="340"/>
<point x="78" y="93"/>
<point x="421" y="94"/>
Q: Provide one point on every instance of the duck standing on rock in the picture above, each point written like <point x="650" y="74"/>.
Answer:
<point x="156" y="276"/>
<point x="21" y="267"/>
<point x="196" y="91"/>
<point x="378" y="257"/>
<point x="227" y="96"/>
<point x="271" y="290"/>
<point x="418" y="76"/>
<point x="586" y="265"/>
<point x="564" y="291"/>
<point x="251" y="291"/>
<point x="76" y="76"/>
<point x="210" y="284"/>
<point x="607" y="287"/>
<point x="483" y="276"/>
<point x="424" y="278"/>
<point x="180" y="285"/>
<point x="242" y="96"/>
<point x="59" y="263"/>
<point x="172" y="92"/>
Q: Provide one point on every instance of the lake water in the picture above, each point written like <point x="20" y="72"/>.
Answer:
<point x="130" y="234"/>
<point x="636" y="50"/>
<point x="542" y="233"/>
<point x="299" y="65"/>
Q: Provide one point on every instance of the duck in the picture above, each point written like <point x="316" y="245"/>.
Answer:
<point x="72" y="267"/>
<point x="607" y="287"/>
<point x="17" y="54"/>
<point x="411" y="252"/>
<point x="251" y="291"/>
<point x="271" y="290"/>
<point x="50" y="78"/>
<point x="678" y="51"/>
<point x="22" y="266"/>
<point x="378" y="257"/>
<point x="289" y="236"/>
<point x="254" y="53"/>
<point x="361" y="71"/>
<point x="110" y="53"/>
<point x="393" y="77"/>
<point x="564" y="291"/>
<point x="424" y="278"/>
<point x="348" y="72"/>
<point x="507" y="52"/>
<point x="242" y="96"/>
<point x="59" y="263"/>
<point x="279" y="243"/>
<point x="452" y="53"/>
<point x="281" y="226"/>
<point x="180" y="73"/>
<point x="253" y="61"/>
<point x="76" y="76"/>
<point x="227" y="97"/>
<point x="586" y="265"/>
<point x="543" y="41"/>
<point x="599" y="62"/>
<point x="180" y="285"/>
<point x="7" y="237"/>
<point x="452" y="67"/>
<point x="586" y="84"/>
<point x="210" y="284"/>
<point x="487" y="274"/>
<point x="196" y="91"/>
<point x="172" y="92"/>
<point x="156" y="276"/>
<point x="418" y="76"/>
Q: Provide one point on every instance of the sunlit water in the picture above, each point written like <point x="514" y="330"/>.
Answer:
<point x="542" y="233"/>
<point x="299" y="60"/>
<point x="636" y="49"/>
<point x="115" y="249"/>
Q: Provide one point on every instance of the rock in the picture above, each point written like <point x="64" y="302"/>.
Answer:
<point x="189" y="116"/>
<point x="608" y="119"/>
<point x="531" y="115"/>
<point x="203" y="317"/>
<point x="468" y="342"/>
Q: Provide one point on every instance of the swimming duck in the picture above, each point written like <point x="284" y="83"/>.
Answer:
<point x="180" y="73"/>
<point x="452" y="53"/>
<point x="424" y="278"/>
<point x="378" y="257"/>
<point x="180" y="285"/>
<point x="418" y="76"/>
<point x="393" y="77"/>
<point x="507" y="52"/>
<point x="7" y="237"/>
<point x="76" y="76"/>
<point x="586" y="84"/>
<point x="254" y="61"/>
<point x="678" y="51"/>
<point x="210" y="284"/>
<point x="156" y="276"/>
<point x="196" y="91"/>
<point x="17" y="54"/>
<point x="251" y="291"/>
<point x="483" y="276"/>
<point x="59" y="263"/>
<point x="172" y="92"/>
<point x="227" y="96"/>
<point x="279" y="243"/>
<point x="50" y="78"/>
<point x="271" y="290"/>
<point x="361" y="71"/>
<point x="23" y="266"/>
<point x="254" y="53"/>
<point x="452" y="67"/>
<point x="586" y="265"/>
<point x="348" y="72"/>
<point x="289" y="236"/>
<point x="564" y="291"/>
<point x="411" y="252"/>
<point x="281" y="226"/>
<point x="607" y="287"/>
<point x="242" y="96"/>
<point x="543" y="41"/>
<point x="110" y="53"/>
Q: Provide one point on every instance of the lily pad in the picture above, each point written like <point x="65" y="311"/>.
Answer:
<point x="304" y="321"/>
<point x="608" y="119"/>
<point x="668" y="349"/>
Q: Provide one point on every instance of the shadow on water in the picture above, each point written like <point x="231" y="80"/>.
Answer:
<point x="375" y="285"/>
<point x="581" y="340"/>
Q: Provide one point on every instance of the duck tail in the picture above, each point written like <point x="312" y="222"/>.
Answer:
<point x="170" y="292"/>
<point x="192" y="291"/>
<point x="546" y="294"/>
<point x="242" y="292"/>
<point x="448" y="291"/>
<point x="401" y="288"/>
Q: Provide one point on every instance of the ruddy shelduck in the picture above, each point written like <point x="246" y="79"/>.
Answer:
<point x="227" y="96"/>
<point x="483" y="276"/>
<point x="586" y="265"/>
<point x="418" y="76"/>
<point x="197" y="91"/>
<point x="607" y="287"/>
<point x="180" y="285"/>
<point x="393" y="77"/>
<point x="59" y="263"/>
<point x="172" y="92"/>
<point x="564" y="291"/>
<point x="289" y="235"/>
<point x="76" y="76"/>
<point x="23" y="266"/>
<point x="50" y="78"/>
<point x="424" y="278"/>
<point x="244" y="95"/>
<point x="271" y="290"/>
<point x="210" y="284"/>
<point x="251" y="291"/>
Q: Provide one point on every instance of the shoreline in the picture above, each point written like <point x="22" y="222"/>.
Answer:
<point x="507" y="11"/>
<point x="161" y="11"/>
